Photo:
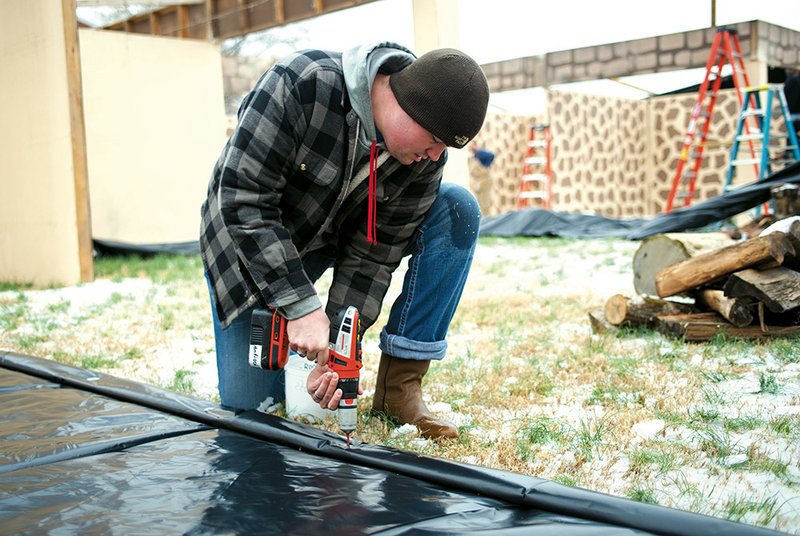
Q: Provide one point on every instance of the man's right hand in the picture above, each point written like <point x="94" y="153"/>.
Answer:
<point x="309" y="336"/>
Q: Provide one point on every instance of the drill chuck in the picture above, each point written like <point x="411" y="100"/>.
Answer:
<point x="348" y="406"/>
<point x="347" y="418"/>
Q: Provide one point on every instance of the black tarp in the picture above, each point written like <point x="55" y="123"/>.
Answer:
<point x="87" y="453"/>
<point x="539" y="222"/>
<point x="113" y="247"/>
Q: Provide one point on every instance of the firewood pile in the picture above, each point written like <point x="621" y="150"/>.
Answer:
<point x="696" y="285"/>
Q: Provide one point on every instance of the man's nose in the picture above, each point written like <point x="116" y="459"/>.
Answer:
<point x="435" y="151"/>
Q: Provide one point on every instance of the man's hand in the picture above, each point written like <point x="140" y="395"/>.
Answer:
<point x="309" y="336"/>
<point x="322" y="387"/>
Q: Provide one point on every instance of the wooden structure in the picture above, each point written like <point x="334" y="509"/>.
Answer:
<point x="44" y="205"/>
<point x="223" y="19"/>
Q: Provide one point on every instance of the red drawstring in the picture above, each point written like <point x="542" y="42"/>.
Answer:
<point x="372" y="203"/>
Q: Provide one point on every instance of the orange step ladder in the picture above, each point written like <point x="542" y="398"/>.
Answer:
<point x="724" y="50"/>
<point x="536" y="181"/>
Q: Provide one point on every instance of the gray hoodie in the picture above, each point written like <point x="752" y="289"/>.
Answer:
<point x="361" y="65"/>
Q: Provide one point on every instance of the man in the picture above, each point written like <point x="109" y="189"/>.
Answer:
<point x="337" y="161"/>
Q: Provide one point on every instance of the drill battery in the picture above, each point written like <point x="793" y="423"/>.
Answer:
<point x="269" y="344"/>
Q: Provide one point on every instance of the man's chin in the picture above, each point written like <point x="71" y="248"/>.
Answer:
<point x="404" y="159"/>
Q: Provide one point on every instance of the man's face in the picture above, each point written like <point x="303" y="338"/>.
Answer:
<point x="408" y="142"/>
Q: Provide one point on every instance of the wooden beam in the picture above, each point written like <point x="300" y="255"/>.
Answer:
<point x="244" y="17"/>
<point x="239" y="17"/>
<point x="80" y="167"/>
<point x="211" y="8"/>
<point x="183" y="21"/>
<point x="155" y="26"/>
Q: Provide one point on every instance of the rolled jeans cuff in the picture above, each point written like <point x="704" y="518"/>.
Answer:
<point x="404" y="348"/>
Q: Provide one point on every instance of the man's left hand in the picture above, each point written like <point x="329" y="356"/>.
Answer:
<point x="322" y="386"/>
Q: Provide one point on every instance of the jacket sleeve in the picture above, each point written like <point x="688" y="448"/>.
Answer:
<point x="364" y="271"/>
<point x="253" y="180"/>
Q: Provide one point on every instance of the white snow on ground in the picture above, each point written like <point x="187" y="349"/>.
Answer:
<point x="190" y="348"/>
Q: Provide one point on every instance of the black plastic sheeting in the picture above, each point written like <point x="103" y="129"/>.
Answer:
<point x="539" y="222"/>
<point x="87" y="453"/>
<point x="113" y="247"/>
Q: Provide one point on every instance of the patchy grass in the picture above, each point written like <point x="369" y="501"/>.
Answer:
<point x="530" y="387"/>
<point x="160" y="268"/>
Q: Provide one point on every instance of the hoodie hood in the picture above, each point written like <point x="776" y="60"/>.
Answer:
<point x="361" y="65"/>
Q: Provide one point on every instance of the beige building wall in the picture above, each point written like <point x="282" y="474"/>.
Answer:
<point x="39" y="211"/>
<point x="155" y="124"/>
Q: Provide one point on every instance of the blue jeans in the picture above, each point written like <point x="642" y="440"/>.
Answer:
<point x="441" y="256"/>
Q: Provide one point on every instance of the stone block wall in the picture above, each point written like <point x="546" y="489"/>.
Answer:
<point x="614" y="157"/>
<point x="240" y="73"/>
<point x="599" y="154"/>
<point x="760" y="42"/>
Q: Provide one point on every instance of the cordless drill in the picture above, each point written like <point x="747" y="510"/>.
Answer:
<point x="269" y="349"/>
<point x="345" y="359"/>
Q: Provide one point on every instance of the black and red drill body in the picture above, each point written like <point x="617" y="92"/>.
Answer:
<point x="269" y="349"/>
<point x="345" y="359"/>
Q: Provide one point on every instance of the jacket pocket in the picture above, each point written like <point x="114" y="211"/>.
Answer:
<point x="316" y="169"/>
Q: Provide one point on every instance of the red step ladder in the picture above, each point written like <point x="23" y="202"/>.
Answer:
<point x="536" y="181"/>
<point x="724" y="50"/>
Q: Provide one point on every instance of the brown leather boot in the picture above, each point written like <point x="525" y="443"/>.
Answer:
<point x="398" y="395"/>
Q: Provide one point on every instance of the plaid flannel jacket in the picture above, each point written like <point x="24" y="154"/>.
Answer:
<point x="280" y="185"/>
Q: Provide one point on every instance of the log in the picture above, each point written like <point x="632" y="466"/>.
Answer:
<point x="778" y="288"/>
<point x="704" y="326"/>
<point x="599" y="324"/>
<point x="660" y="251"/>
<point x="709" y="267"/>
<point x="640" y="311"/>
<point x="790" y="226"/>
<point x="793" y="261"/>
<point x="737" y="311"/>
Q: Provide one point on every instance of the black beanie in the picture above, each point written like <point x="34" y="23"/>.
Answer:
<point x="446" y="92"/>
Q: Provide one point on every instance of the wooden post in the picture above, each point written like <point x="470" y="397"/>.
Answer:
<point x="78" y="134"/>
